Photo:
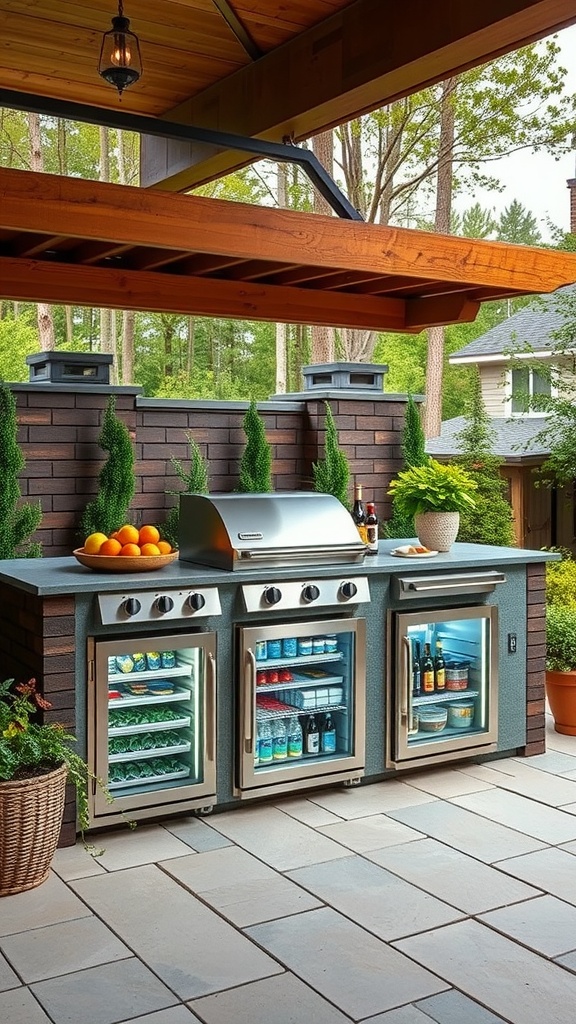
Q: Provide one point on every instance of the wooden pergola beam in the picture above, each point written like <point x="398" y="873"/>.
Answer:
<point x="359" y="59"/>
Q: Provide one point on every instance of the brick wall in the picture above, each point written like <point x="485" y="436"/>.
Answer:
<point x="535" y="661"/>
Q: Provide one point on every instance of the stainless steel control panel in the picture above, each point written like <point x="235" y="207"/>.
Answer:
<point x="159" y="605"/>
<point x="305" y="593"/>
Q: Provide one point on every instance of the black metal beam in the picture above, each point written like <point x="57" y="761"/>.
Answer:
<point x="277" y="151"/>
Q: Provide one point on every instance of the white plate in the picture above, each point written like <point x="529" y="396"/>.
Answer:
<point x="407" y="554"/>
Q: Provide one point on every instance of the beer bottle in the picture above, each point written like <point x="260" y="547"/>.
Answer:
<point x="359" y="513"/>
<point x="311" y="737"/>
<point x="439" y="669"/>
<point x="416" y="675"/>
<point x="427" y="671"/>
<point x="371" y="528"/>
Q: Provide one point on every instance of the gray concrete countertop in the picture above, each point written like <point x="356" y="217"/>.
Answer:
<point x="50" y="576"/>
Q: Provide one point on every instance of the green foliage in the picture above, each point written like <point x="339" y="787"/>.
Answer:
<point x="518" y="225"/>
<point x="432" y="488"/>
<point x="331" y="475"/>
<point x="195" y="480"/>
<point x="561" y="638"/>
<point x="18" y="339"/>
<point x="17" y="521"/>
<point x="256" y="461"/>
<point x="561" y="583"/>
<point x="414" y="454"/>
<point x="116" y="483"/>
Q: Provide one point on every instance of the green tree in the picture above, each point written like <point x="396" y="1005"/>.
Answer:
<point x="195" y="480"/>
<point x="256" y="461"/>
<point x="332" y="474"/>
<point x="518" y="225"/>
<point x="17" y="521"/>
<point x="413" y="454"/>
<point x="116" y="483"/>
<point x="18" y="339"/>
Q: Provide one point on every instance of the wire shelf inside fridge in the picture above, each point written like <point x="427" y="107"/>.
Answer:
<point x="422" y="737"/>
<point x="299" y="682"/>
<point x="441" y="698"/>
<point x="130" y="701"/>
<point x="300" y="659"/>
<point x="150" y="779"/>
<point x="152" y="673"/>
<point x="287" y="710"/>
<point x="140" y="755"/>
<point x="128" y="730"/>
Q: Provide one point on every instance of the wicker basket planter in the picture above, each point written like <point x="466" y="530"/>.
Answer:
<point x="437" y="530"/>
<point x="31" y="813"/>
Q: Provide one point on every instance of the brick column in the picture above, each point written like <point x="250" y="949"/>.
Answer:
<point x="535" y="660"/>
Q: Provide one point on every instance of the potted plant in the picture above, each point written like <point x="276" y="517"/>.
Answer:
<point x="434" y="494"/>
<point x="36" y="761"/>
<point x="561" y="643"/>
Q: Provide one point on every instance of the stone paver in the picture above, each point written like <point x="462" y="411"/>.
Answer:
<point x="103" y="995"/>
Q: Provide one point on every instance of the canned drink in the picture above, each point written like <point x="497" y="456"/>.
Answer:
<point x="305" y="646"/>
<point x="318" y="645"/>
<point x="289" y="647"/>
<point x="274" y="648"/>
<point x="330" y="643"/>
<point x="112" y="666"/>
<point x="272" y="675"/>
<point x="261" y="652"/>
<point x="261" y="678"/>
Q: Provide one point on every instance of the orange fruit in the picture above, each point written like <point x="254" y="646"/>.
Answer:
<point x="110" y="547"/>
<point x="164" y="547"/>
<point x="148" y="535"/>
<point x="128" y="534"/>
<point x="150" y="549"/>
<point x="130" y="550"/>
<point x="94" y="542"/>
<point x="114" y="536"/>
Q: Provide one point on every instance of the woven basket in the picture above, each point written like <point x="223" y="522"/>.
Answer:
<point x="437" y="530"/>
<point x="31" y="813"/>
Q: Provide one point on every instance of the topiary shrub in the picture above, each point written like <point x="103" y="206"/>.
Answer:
<point x="414" y="454"/>
<point x="17" y="521"/>
<point x="331" y="475"/>
<point x="195" y="480"/>
<point x="256" y="461"/>
<point x="116" y="483"/>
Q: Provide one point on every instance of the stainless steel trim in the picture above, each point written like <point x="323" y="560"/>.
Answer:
<point x="447" y="755"/>
<point x="302" y="554"/>
<point x="250" y="708"/>
<point x="210" y="709"/>
<point x="410" y="587"/>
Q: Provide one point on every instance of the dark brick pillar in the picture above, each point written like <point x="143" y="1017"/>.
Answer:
<point x="535" y="661"/>
<point x="572" y="187"/>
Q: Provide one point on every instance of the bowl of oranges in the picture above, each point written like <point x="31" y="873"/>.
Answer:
<point x="129" y="549"/>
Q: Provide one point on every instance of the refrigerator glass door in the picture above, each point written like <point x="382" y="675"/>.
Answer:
<point x="154" y="737"/>
<point x="445" y="685"/>
<point x="302" y="704"/>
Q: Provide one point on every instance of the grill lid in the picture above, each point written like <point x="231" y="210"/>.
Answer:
<point x="232" y="531"/>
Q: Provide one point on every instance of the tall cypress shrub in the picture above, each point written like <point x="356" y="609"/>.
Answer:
<point x="413" y="454"/>
<point x="116" y="483"/>
<point x="256" y="461"/>
<point x="17" y="521"/>
<point x="195" y="480"/>
<point x="332" y="473"/>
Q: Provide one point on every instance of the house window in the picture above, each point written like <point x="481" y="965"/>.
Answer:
<point x="526" y="381"/>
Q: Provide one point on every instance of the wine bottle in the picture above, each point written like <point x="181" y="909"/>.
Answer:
<point x="311" y="737"/>
<point x="427" y="671"/>
<point x="371" y="528"/>
<point x="416" y="675"/>
<point x="439" y="669"/>
<point x="359" y="513"/>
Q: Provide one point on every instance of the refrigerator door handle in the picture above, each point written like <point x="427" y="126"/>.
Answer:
<point x="250" y="698"/>
<point x="407" y="715"/>
<point x="209" y="717"/>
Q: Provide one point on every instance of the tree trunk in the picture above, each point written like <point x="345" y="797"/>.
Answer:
<point x="323" y="341"/>
<point x="281" y="329"/>
<point x="432" y="420"/>
<point x="190" y="337"/>
<point x="44" y="311"/>
<point x="128" y="323"/>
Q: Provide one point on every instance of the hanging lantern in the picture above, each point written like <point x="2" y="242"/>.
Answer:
<point x="120" y="61"/>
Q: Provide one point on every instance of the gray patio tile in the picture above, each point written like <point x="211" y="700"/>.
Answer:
<point x="243" y="889"/>
<point x="75" y="862"/>
<point x="19" y="1007"/>
<point x="196" y="834"/>
<point x="189" y="946"/>
<point x="557" y="740"/>
<point x="174" y="1015"/>
<point x="445" y="782"/>
<point x="374" y="898"/>
<point x="307" y="812"/>
<point x="283" y="999"/>
<point x="452" y="876"/>
<point x="555" y="762"/>
<point x="373" y="833"/>
<point x="50" y="903"/>
<point x="546" y="924"/>
<point x="146" y="844"/>
<point x="403" y="1015"/>
<point x="454" y="1008"/>
<point x="466" y="831"/>
<point x="525" y="780"/>
<point x="62" y="948"/>
<point x="544" y="823"/>
<point x="552" y="870"/>
<point x="510" y="980"/>
<point x="351" y="968"/>
<point x="7" y="977"/>
<point x="276" y="838"/>
<point x="378" y="798"/>
<point x="103" y="995"/>
<point x="568" y="961"/>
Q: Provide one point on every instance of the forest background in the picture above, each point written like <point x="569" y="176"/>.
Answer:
<point x="410" y="164"/>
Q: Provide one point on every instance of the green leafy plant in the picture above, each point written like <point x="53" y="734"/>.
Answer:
<point x="332" y="473"/>
<point x="414" y="454"/>
<point x="561" y="583"/>
<point x="256" y="461"/>
<point x="561" y="638"/>
<point x="116" y="483"/>
<point x="195" y="480"/>
<point x="433" y="488"/>
<point x="17" y="521"/>
<point x="29" y="748"/>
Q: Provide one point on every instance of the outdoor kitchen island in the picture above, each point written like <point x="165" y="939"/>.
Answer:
<point x="71" y="628"/>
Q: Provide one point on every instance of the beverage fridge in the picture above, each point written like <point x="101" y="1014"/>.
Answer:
<point x="151" y="724"/>
<point x="442" y="697"/>
<point x="301" y="705"/>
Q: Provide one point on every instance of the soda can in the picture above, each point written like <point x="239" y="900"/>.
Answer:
<point x="272" y="675"/>
<point x="289" y="647"/>
<point x="318" y="645"/>
<point x="261" y="652"/>
<point x="274" y="648"/>
<point x="261" y="678"/>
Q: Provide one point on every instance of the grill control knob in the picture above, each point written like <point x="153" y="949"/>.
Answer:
<point x="132" y="606"/>
<point x="164" y="604"/>
<point x="195" y="602"/>
<point x="348" y="589"/>
<point x="272" y="595"/>
<point x="310" y="593"/>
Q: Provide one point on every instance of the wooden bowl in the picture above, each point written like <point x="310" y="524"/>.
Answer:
<point x="124" y="563"/>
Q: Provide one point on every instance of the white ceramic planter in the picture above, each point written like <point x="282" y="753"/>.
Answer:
<point x="437" y="530"/>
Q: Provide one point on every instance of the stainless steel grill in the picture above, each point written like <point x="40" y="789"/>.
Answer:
<point x="291" y="528"/>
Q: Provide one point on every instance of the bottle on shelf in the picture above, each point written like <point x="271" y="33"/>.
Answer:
<point x="427" y="672"/>
<point x="328" y="737"/>
<point x="279" y="740"/>
<point x="371" y="528"/>
<point x="439" y="669"/>
<point x="416" y="674"/>
<point x="295" y="738"/>
<point x="359" y="513"/>
<point x="265" y="743"/>
<point x="311" y="737"/>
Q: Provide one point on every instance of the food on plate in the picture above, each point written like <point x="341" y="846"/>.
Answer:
<point x="413" y="549"/>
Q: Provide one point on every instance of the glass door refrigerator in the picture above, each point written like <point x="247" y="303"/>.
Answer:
<point x="151" y="724"/>
<point x="302" y="706"/>
<point x="442" y="698"/>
